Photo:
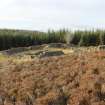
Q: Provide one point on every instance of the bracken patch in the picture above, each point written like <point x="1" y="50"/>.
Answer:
<point x="59" y="80"/>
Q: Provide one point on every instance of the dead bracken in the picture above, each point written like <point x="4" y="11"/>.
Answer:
<point x="72" y="79"/>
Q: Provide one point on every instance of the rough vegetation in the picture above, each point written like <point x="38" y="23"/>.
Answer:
<point x="72" y="79"/>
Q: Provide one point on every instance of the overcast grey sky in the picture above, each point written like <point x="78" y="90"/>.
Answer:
<point x="52" y="14"/>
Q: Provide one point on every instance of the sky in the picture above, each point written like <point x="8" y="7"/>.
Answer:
<point x="52" y="14"/>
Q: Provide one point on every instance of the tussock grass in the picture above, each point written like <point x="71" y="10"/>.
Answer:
<point x="3" y="57"/>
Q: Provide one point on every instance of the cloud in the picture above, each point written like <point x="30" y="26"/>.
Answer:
<point x="45" y="14"/>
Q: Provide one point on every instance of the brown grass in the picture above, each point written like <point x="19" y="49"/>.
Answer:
<point x="64" y="80"/>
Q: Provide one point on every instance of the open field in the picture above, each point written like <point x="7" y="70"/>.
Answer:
<point x="43" y="76"/>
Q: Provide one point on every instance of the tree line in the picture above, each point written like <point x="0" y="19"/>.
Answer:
<point x="18" y="38"/>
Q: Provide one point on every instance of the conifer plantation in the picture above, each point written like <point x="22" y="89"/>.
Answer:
<point x="17" y="38"/>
